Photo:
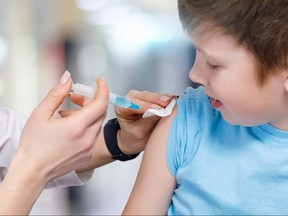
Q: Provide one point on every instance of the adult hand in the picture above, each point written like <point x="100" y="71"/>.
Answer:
<point x="56" y="146"/>
<point x="135" y="130"/>
<point x="51" y="147"/>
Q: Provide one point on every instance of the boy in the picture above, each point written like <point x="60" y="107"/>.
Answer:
<point x="224" y="150"/>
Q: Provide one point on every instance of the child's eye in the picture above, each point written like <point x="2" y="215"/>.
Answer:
<point x="211" y="66"/>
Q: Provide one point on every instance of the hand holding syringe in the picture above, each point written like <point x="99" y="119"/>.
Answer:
<point x="114" y="99"/>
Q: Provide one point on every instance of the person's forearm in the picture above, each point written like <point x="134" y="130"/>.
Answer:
<point x="20" y="188"/>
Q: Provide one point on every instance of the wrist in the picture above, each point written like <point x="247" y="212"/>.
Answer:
<point x="21" y="187"/>
<point x="126" y="143"/>
<point x="111" y="136"/>
<point x="29" y="169"/>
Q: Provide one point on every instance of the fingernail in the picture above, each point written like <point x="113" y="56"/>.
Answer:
<point x="155" y="106"/>
<point x="65" y="77"/>
<point x="101" y="77"/>
<point x="164" y="98"/>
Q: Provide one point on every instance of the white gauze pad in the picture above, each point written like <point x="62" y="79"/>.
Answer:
<point x="161" y="112"/>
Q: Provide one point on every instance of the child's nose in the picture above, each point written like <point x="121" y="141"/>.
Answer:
<point x="196" y="76"/>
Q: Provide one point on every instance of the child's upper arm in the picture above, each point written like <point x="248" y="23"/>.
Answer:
<point x="155" y="184"/>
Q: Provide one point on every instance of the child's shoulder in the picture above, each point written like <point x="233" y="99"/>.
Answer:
<point x="194" y="103"/>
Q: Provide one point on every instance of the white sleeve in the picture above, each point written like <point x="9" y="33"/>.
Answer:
<point x="11" y="125"/>
<point x="70" y="179"/>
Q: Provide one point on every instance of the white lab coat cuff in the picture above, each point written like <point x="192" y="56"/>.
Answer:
<point x="70" y="179"/>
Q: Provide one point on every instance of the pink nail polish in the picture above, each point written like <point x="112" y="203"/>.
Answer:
<point x="65" y="77"/>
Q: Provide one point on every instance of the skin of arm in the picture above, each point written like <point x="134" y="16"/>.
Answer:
<point x="50" y="147"/>
<point x="20" y="187"/>
<point x="155" y="184"/>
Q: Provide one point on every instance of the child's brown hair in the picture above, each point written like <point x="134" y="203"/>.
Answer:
<point x="259" y="25"/>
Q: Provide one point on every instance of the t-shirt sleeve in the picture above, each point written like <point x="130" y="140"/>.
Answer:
<point x="186" y="130"/>
<point x="177" y="139"/>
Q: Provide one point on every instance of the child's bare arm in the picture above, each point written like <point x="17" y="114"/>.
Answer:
<point x="155" y="184"/>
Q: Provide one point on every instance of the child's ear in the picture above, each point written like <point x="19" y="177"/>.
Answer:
<point x="286" y="79"/>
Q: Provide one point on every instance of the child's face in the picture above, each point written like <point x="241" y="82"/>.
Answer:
<point x="228" y="73"/>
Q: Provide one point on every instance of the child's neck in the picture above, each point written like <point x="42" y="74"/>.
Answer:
<point x="282" y="125"/>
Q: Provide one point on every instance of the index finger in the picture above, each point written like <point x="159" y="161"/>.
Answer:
<point x="55" y="97"/>
<point x="146" y="99"/>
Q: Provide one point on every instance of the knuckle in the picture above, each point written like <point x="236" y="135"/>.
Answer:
<point x="102" y="107"/>
<point x="36" y="113"/>
<point x="132" y="92"/>
<point x="53" y="94"/>
<point x="87" y="144"/>
<point x="76" y="132"/>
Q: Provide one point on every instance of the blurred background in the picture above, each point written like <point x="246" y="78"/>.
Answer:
<point x="133" y="44"/>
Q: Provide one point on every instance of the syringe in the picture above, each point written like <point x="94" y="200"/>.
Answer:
<point x="114" y="99"/>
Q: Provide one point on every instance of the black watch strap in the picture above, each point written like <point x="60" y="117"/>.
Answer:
<point x="110" y="136"/>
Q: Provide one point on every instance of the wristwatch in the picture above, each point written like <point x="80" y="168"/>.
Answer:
<point x="110" y="137"/>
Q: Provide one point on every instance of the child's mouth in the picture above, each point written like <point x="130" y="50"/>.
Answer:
<point x="215" y="103"/>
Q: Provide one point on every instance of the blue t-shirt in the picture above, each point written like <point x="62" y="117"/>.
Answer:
<point x="222" y="168"/>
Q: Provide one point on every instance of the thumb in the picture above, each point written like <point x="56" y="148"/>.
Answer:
<point x="55" y="97"/>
